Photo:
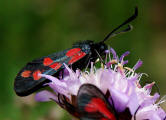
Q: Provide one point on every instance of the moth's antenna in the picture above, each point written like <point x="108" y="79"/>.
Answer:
<point x="112" y="33"/>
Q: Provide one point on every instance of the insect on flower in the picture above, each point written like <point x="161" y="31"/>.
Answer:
<point x="112" y="92"/>
<point x="29" y="79"/>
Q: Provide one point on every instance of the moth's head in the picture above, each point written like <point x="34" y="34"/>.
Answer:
<point x="100" y="48"/>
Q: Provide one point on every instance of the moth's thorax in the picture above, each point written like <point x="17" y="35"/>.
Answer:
<point x="88" y="46"/>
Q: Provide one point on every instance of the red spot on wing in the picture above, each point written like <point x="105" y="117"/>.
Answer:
<point x="47" y="61"/>
<point x="73" y="52"/>
<point x="26" y="73"/>
<point x="36" y="75"/>
<point x="76" y="57"/>
<point x="98" y="105"/>
<point x="55" y="66"/>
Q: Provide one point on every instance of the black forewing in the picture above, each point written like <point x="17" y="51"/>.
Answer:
<point x="86" y="94"/>
<point x="26" y="85"/>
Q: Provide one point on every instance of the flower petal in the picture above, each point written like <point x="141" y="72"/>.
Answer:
<point x="46" y="96"/>
<point x="123" y="55"/>
<point x="138" y="64"/>
<point x="120" y="100"/>
<point x="113" y="53"/>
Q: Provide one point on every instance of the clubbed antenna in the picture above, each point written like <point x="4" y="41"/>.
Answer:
<point x="112" y="33"/>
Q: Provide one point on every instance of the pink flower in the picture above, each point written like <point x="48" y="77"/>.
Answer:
<point x="123" y="84"/>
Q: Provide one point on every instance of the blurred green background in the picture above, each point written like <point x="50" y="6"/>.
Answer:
<point x="33" y="28"/>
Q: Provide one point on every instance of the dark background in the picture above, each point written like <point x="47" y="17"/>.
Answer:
<point x="33" y="28"/>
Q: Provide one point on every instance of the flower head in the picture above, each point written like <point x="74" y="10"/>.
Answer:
<point x="119" y="84"/>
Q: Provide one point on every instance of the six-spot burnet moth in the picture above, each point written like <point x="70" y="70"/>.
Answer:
<point x="28" y="79"/>
<point x="92" y="104"/>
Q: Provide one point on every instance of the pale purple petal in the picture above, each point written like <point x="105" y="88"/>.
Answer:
<point x="58" y="89"/>
<point x="113" y="53"/>
<point x="120" y="100"/>
<point x="138" y="64"/>
<point x="151" y="112"/>
<point x="45" y="95"/>
<point x="149" y="100"/>
<point x="125" y="62"/>
<point x="54" y="80"/>
<point x="148" y="87"/>
<point x="133" y="79"/>
<point x="123" y="55"/>
<point x="133" y="103"/>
